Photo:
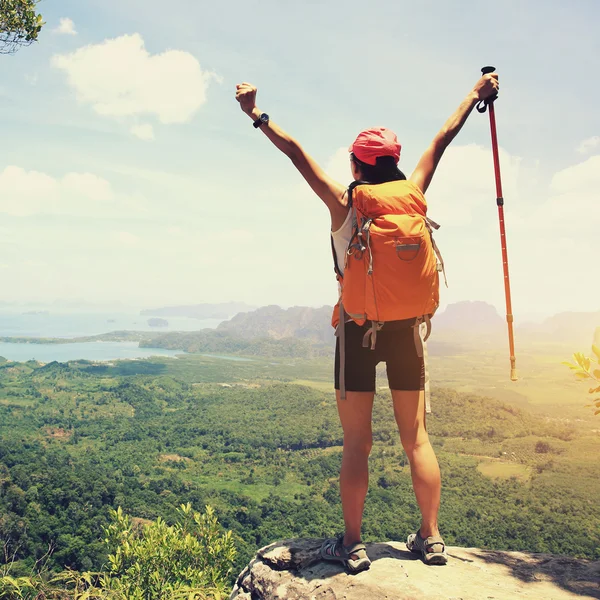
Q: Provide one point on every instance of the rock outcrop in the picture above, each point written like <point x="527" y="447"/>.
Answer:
<point x="290" y="570"/>
<point x="301" y="322"/>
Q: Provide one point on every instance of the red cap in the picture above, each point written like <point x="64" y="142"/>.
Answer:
<point x="375" y="142"/>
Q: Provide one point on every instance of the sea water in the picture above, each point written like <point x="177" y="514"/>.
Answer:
<point x="68" y="325"/>
<point x="71" y="325"/>
<point x="96" y="351"/>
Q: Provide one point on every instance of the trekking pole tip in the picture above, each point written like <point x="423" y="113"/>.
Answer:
<point x="513" y="374"/>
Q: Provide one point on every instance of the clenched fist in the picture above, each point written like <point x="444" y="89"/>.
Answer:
<point x="487" y="86"/>
<point x="245" y="94"/>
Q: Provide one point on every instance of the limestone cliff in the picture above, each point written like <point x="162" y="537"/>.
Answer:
<point x="288" y="570"/>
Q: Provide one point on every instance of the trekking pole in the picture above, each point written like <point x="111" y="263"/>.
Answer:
<point x="481" y="107"/>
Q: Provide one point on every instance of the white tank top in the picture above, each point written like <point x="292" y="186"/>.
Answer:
<point x="341" y="239"/>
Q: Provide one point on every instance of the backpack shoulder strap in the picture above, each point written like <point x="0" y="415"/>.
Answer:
<point x="336" y="267"/>
<point x="352" y="187"/>
<point x="431" y="225"/>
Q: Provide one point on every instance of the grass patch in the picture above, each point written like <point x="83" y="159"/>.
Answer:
<point x="497" y="469"/>
<point x="322" y="386"/>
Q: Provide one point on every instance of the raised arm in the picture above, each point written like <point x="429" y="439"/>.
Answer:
<point x="331" y="192"/>
<point x="486" y="87"/>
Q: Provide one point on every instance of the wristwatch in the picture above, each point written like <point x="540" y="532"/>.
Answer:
<point x="264" y="118"/>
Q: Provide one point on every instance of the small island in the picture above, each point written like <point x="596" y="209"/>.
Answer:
<point x="156" y="322"/>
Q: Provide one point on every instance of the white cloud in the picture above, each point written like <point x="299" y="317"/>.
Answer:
<point x="144" y="131"/>
<point x="66" y="27"/>
<point x="463" y="180"/>
<point x="338" y="166"/>
<point x="119" y="78"/>
<point x="549" y="221"/>
<point x="127" y="239"/>
<point x="588" y="144"/>
<point x="573" y="201"/>
<point x="580" y="177"/>
<point x="88" y="186"/>
<point x="25" y="193"/>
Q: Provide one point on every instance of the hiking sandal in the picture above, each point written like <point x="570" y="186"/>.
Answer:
<point x="432" y="549"/>
<point x="354" y="557"/>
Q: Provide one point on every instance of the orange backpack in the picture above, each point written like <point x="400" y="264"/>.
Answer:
<point x="392" y="264"/>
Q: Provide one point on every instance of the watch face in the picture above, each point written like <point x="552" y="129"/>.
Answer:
<point x="264" y="118"/>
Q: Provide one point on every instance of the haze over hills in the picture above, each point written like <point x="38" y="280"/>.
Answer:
<point x="199" y="311"/>
<point x="471" y="319"/>
<point x="273" y="321"/>
<point x="570" y="327"/>
<point x="315" y="323"/>
<point x="307" y="331"/>
<point x="476" y="317"/>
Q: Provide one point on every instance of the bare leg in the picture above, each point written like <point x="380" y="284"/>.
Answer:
<point x="409" y="410"/>
<point x="355" y="415"/>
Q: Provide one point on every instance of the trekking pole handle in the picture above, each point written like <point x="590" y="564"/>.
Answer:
<point x="482" y="105"/>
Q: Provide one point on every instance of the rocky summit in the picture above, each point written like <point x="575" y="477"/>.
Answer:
<point x="291" y="570"/>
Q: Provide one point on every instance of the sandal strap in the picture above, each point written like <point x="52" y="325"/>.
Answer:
<point x="357" y="551"/>
<point x="331" y="547"/>
<point x="335" y="548"/>
<point x="431" y="541"/>
<point x="434" y="540"/>
<point x="431" y="550"/>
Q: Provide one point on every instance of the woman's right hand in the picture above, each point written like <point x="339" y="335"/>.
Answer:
<point x="487" y="86"/>
<point x="246" y="95"/>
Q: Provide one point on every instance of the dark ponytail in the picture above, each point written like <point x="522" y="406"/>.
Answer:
<point x="385" y="169"/>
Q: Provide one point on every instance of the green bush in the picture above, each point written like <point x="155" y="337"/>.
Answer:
<point x="191" y="560"/>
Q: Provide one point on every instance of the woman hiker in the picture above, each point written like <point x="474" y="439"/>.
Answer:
<point x="381" y="221"/>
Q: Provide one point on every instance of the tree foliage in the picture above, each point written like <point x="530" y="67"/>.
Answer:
<point x="20" y="24"/>
<point x="156" y="560"/>
<point x="78" y="441"/>
<point x="588" y="369"/>
<point x="189" y="560"/>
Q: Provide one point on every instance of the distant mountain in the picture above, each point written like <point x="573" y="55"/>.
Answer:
<point x="199" y="311"/>
<point x="301" y="322"/>
<point x="470" y="317"/>
<point x="579" y="328"/>
<point x="157" y="322"/>
<point x="473" y="320"/>
<point x="476" y="318"/>
<point x="314" y="324"/>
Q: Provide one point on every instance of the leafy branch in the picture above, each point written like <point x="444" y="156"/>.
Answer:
<point x="20" y="24"/>
<point x="585" y="368"/>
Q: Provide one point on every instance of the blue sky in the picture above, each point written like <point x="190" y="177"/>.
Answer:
<point x="128" y="172"/>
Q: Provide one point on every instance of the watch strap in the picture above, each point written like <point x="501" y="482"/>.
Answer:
<point x="263" y="118"/>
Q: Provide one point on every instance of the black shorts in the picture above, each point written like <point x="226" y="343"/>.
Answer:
<point x="395" y="346"/>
